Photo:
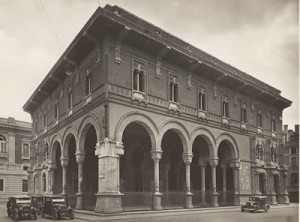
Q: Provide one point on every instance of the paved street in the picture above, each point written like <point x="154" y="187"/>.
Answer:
<point x="281" y="213"/>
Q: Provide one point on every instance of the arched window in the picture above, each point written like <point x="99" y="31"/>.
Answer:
<point x="2" y="144"/>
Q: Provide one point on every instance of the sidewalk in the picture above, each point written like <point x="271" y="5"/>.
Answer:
<point x="90" y="216"/>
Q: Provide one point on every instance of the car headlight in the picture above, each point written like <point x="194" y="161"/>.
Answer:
<point x="20" y="208"/>
<point x="59" y="208"/>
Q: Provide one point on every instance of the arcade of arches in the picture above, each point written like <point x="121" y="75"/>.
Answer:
<point x="146" y="168"/>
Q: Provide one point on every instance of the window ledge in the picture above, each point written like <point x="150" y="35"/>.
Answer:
<point x="273" y="134"/>
<point x="202" y="114"/>
<point x="225" y="121"/>
<point x="3" y="155"/>
<point x="139" y="98"/>
<point x="88" y="99"/>
<point x="243" y="126"/>
<point x="70" y="111"/>
<point x="25" y="158"/>
<point x="174" y="106"/>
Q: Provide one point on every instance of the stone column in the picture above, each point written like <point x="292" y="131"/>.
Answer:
<point x="79" y="159"/>
<point x="285" y="199"/>
<point x="51" y="168"/>
<point x="109" y="198"/>
<point x="64" y="164"/>
<point x="236" y="170"/>
<point x="224" y="168"/>
<point x="187" y="159"/>
<point x="272" y="194"/>
<point x="11" y="148"/>
<point x="156" y="201"/>
<point x="265" y="183"/>
<point x="213" y="163"/>
<point x="202" y="167"/>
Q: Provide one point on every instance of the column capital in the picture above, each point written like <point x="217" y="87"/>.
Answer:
<point x="80" y="157"/>
<point x="213" y="162"/>
<point x="64" y="161"/>
<point x="51" y="166"/>
<point x="187" y="158"/>
<point x="235" y="163"/>
<point x="109" y="148"/>
<point x="156" y="154"/>
<point x="202" y="163"/>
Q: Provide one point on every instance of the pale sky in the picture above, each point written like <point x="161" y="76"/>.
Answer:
<point x="258" y="37"/>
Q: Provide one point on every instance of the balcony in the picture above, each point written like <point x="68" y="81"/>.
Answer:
<point x="3" y="154"/>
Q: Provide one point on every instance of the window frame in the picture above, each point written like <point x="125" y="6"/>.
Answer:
<point x="139" y="75"/>
<point x="273" y="124"/>
<point x="45" y="119"/>
<point x="202" y="98"/>
<point x="259" y="119"/>
<point x="22" y="154"/>
<point x="88" y="81"/>
<point x="244" y="118"/>
<point x="3" y="145"/>
<point x="70" y="98"/>
<point x="3" y="179"/>
<point x="26" y="185"/>
<point x="173" y="89"/>
<point x="225" y="106"/>
<point x="56" y="112"/>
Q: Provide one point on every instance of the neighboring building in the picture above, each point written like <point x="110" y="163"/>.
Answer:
<point x="132" y="117"/>
<point x="15" y="139"/>
<point x="291" y="158"/>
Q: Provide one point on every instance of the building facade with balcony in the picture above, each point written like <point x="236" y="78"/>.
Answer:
<point x="132" y="116"/>
<point x="15" y="138"/>
<point x="291" y="158"/>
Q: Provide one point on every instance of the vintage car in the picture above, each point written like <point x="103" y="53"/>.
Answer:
<point x="36" y="201"/>
<point x="55" y="205"/>
<point x="20" y="206"/>
<point x="256" y="203"/>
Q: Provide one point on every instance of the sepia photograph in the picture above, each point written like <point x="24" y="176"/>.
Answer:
<point x="128" y="110"/>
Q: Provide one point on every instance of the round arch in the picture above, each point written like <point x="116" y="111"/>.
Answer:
<point x="180" y="129"/>
<point x="56" y="140"/>
<point x="143" y="120"/>
<point x="89" y="120"/>
<point x="208" y="137"/>
<point x="231" y="141"/>
<point x="69" y="132"/>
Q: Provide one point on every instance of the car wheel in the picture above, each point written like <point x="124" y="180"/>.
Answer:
<point x="8" y="214"/>
<point x="43" y="215"/>
<point x="267" y="209"/>
<point x="255" y="210"/>
<point x="35" y="216"/>
<point x="72" y="216"/>
<point x="243" y="210"/>
<point x="54" y="216"/>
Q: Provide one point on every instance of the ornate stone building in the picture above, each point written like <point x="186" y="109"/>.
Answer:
<point x="291" y="159"/>
<point x="132" y="116"/>
<point x="15" y="139"/>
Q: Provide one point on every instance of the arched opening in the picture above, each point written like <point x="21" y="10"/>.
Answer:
<point x="90" y="169"/>
<point x="225" y="178"/>
<point x="172" y="171"/>
<point x="72" y="171"/>
<point x="57" y="189"/>
<point x="136" y="167"/>
<point x="262" y="178"/>
<point x="276" y="186"/>
<point x="200" y="182"/>
<point x="44" y="182"/>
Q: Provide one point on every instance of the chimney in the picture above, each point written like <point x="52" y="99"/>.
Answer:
<point x="285" y="131"/>
<point x="297" y="129"/>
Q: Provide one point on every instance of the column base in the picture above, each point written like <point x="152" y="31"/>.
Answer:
<point x="283" y="199"/>
<point x="236" y="200"/>
<point x="109" y="203"/>
<point x="189" y="200"/>
<point x="214" y="199"/>
<point x="156" y="201"/>
<point x="79" y="205"/>
<point x="203" y="193"/>
<point x="272" y="199"/>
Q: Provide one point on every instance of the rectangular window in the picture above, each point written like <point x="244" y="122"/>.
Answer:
<point x="259" y="118"/>
<point x="1" y="184"/>
<point x="25" y="150"/>
<point x="24" y="185"/>
<point x="88" y="81"/>
<point x="225" y="107"/>
<point x="293" y="150"/>
<point x="56" y="110"/>
<point x="243" y="113"/>
<point x="2" y="145"/>
<point x="294" y="161"/>
<point x="70" y="98"/>
<point x="174" y="90"/>
<point x="45" y="119"/>
<point x="294" y="178"/>
<point x="273" y="125"/>
<point x="202" y="99"/>
<point x="138" y="76"/>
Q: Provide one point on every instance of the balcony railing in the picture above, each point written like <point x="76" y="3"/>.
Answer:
<point x="3" y="154"/>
